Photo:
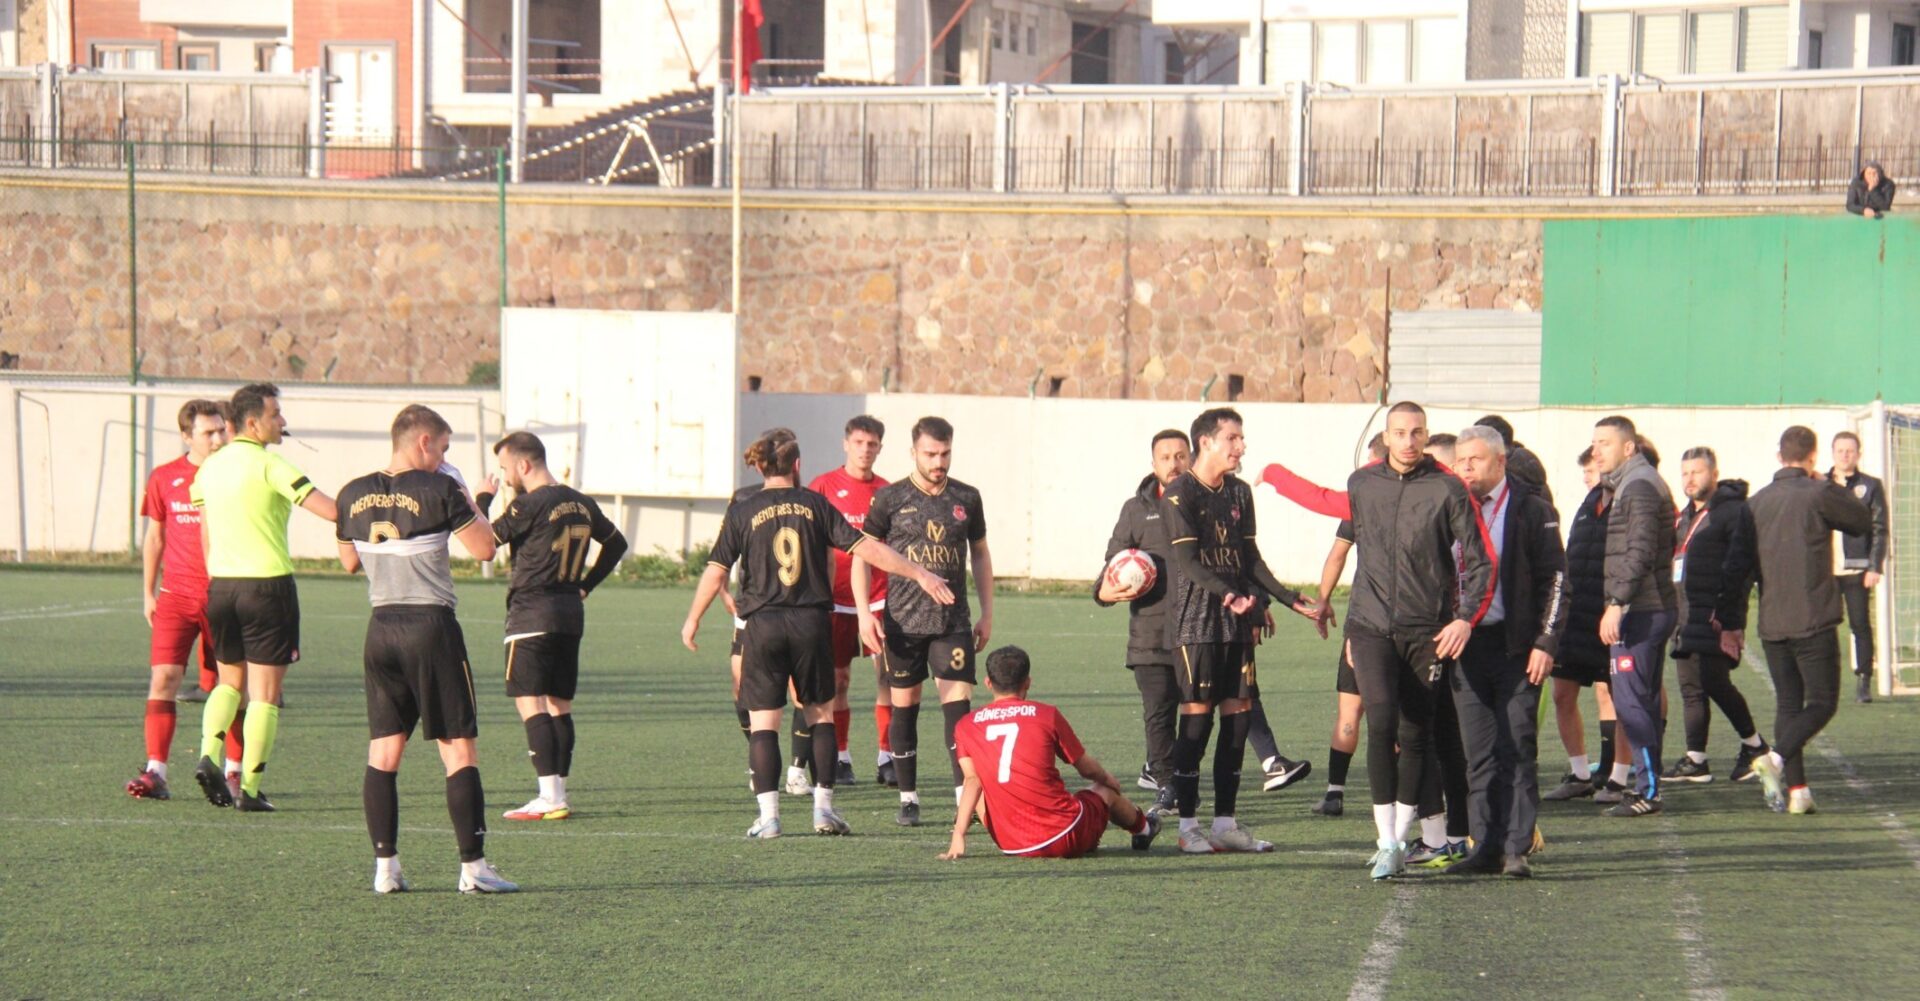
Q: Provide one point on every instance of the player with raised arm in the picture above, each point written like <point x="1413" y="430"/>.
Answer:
<point x="1218" y="581"/>
<point x="783" y="533"/>
<point x="245" y="495"/>
<point x="173" y="587"/>
<point x="395" y="525"/>
<point x="1007" y="754"/>
<point x="937" y="523"/>
<point x="850" y="490"/>
<point x="549" y="526"/>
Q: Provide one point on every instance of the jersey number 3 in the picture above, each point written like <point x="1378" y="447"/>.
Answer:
<point x="572" y="547"/>
<point x="1010" y="731"/>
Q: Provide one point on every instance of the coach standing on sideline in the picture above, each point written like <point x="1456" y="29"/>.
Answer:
<point x="1149" y="655"/>
<point x="1795" y="517"/>
<point x="1642" y="607"/>
<point x="1863" y="556"/>
<point x="1496" y="686"/>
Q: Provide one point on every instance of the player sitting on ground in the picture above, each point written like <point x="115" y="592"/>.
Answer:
<point x="1007" y="750"/>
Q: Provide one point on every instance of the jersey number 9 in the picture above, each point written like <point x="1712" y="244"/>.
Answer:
<point x="786" y="552"/>
<point x="572" y="547"/>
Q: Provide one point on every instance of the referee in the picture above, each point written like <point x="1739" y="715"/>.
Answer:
<point x="245" y="495"/>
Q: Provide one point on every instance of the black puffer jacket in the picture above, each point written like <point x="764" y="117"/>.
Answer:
<point x="1869" y="551"/>
<point x="1526" y="467"/>
<point x="1580" y="646"/>
<point x="1533" y="572"/>
<point x="1405" y="527"/>
<point x="1140" y="528"/>
<point x="1640" y="538"/>
<point x="1717" y="567"/>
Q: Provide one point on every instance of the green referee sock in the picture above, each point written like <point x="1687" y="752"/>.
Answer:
<point x="223" y="703"/>
<point x="263" y="724"/>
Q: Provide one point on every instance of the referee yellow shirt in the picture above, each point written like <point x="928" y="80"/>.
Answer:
<point x="248" y="494"/>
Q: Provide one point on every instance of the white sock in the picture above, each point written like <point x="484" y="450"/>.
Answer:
<point x="1620" y="773"/>
<point x="1222" y="825"/>
<point x="1433" y="830"/>
<point x="1189" y="824"/>
<point x="1751" y="740"/>
<point x="882" y="758"/>
<point x="474" y="868"/>
<point x="769" y="804"/>
<point x="1697" y="757"/>
<point x="1333" y="789"/>
<point x="1266" y="764"/>
<point x="1578" y="768"/>
<point x="550" y="789"/>
<point x="909" y="797"/>
<point x="846" y="756"/>
<point x="232" y="766"/>
<point x="1383" y="821"/>
<point x="794" y="771"/>
<point x="822" y="798"/>
<point x="560" y="786"/>
<point x="386" y="866"/>
<point x="157" y="767"/>
<point x="1404" y="814"/>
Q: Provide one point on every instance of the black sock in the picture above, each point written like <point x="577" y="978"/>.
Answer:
<point x="467" y="807"/>
<point x="563" y="728"/>
<point x="381" y="797"/>
<point x="763" y="756"/>
<point x="1337" y="763"/>
<point x="826" y="752"/>
<point x="1228" y="755"/>
<point x="543" y="744"/>
<point x="1189" y="746"/>
<point x="1606" y="753"/>
<point x="802" y="742"/>
<point x="954" y="712"/>
<point x="904" y="734"/>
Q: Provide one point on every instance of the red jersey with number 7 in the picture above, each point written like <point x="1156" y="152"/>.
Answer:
<point x="853" y="498"/>
<point x="1014" y="744"/>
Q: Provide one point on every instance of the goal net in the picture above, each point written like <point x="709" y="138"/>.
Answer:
<point x="1897" y="608"/>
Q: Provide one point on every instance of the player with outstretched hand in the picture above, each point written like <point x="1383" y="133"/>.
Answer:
<point x="1007" y="753"/>
<point x="785" y="533"/>
<point x="549" y="526"/>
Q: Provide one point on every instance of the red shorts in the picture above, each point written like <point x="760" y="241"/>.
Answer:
<point x="179" y="621"/>
<point x="1083" y="836"/>
<point x="846" y="640"/>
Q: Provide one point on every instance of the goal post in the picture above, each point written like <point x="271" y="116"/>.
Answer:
<point x="1896" y="430"/>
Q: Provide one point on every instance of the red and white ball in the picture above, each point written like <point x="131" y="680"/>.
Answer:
<point x="1132" y="569"/>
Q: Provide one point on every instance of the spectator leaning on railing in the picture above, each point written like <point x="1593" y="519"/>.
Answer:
<point x="1871" y="193"/>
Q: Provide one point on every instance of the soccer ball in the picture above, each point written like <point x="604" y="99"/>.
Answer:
<point x="1130" y="569"/>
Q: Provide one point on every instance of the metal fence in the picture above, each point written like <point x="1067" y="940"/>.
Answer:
<point x="240" y="154"/>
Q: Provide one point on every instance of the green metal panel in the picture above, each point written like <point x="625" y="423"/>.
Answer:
<point x="1731" y="311"/>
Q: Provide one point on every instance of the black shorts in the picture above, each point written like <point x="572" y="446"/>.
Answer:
<point x="416" y="672"/>
<point x="1584" y="676"/>
<point x="782" y="646"/>
<point x="909" y="660"/>
<point x="1215" y="672"/>
<point x="1344" y="682"/>
<point x="255" y="620"/>
<point x="739" y="644"/>
<point x="547" y="664"/>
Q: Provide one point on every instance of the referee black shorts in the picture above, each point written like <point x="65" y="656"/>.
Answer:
<point x="547" y="664"/>
<point x="1215" y="672"/>
<point x="1585" y="674"/>
<point x="782" y="646"/>
<point x="416" y="672"/>
<point x="254" y="620"/>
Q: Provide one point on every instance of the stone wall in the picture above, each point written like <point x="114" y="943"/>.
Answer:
<point x="1154" y="299"/>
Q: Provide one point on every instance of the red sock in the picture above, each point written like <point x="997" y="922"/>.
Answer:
<point x="235" y="746"/>
<point x="883" y="721"/>
<point x="842" y="722"/>
<point x="162" y="714"/>
<point x="1139" y="823"/>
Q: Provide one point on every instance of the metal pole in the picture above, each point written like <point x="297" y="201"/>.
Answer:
<point x="1002" y="135"/>
<point x="20" y="469"/>
<point x="1610" y="138"/>
<point x="316" y="122"/>
<point x="1883" y="639"/>
<point x="1297" y="156"/>
<point x="133" y="359"/>
<point x="519" y="73"/>
<point x="722" y="131"/>
<point x="480" y="442"/>
<point x="500" y="198"/>
<point x="733" y="118"/>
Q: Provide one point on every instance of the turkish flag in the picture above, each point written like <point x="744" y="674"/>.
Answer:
<point x="748" y="25"/>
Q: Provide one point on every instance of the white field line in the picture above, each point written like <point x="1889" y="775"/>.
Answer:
<point x="1703" y="982"/>
<point x="1389" y="937"/>
<point x="68" y="611"/>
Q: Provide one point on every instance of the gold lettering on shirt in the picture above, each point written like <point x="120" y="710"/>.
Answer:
<point x="383" y="500"/>
<point x="772" y="511"/>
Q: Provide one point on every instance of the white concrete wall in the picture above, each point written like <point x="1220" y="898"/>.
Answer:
<point x="1053" y="472"/>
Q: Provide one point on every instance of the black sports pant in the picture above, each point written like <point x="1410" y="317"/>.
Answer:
<point x="1705" y="676"/>
<point x="1853" y="588"/>
<point x="1806" y="686"/>
<point x="1396" y="675"/>
<point x="1637" y="665"/>
<point x="1499" y="724"/>
<point x="1159" y="705"/>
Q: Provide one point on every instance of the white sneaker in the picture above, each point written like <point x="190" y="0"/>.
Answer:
<point x="797" y="784"/>
<point x="538" y="808"/>
<point x="480" y="877"/>
<point x="1238" y="839"/>
<point x="391" y="881"/>
<point x="1196" y="842"/>
<point x="828" y="822"/>
<point x="1800" y="801"/>
<point x="765" y="829"/>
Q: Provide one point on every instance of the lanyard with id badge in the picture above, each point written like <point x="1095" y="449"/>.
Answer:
<point x="1680" y="553"/>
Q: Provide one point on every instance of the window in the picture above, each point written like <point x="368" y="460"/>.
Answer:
<point x="1903" y="45"/>
<point x="1033" y="35"/>
<point x="1710" y="42"/>
<point x="1438" y="50"/>
<point x="126" y="56"/>
<point x="1013" y="32"/>
<point x="1763" y="39"/>
<point x="999" y="32"/>
<point x="1091" y="61"/>
<point x="1606" y="44"/>
<point x="1176" y="63"/>
<point x="272" y="57"/>
<point x="1816" y="42"/>
<point x="1386" y="51"/>
<point x="1290" y="50"/>
<point x="202" y="57"/>
<point x="1657" y="45"/>
<point x="1336" y="51"/>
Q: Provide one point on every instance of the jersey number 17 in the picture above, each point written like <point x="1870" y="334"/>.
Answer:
<point x="572" y="547"/>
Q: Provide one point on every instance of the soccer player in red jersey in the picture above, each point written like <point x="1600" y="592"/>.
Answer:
<point x="1007" y="751"/>
<point x="850" y="490"/>
<point x="176" y="608"/>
